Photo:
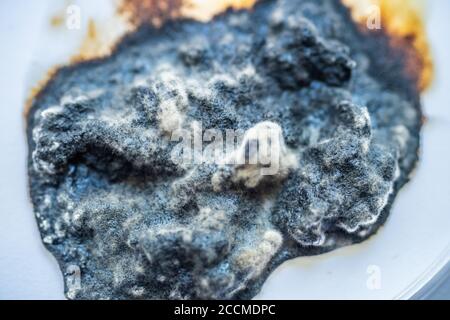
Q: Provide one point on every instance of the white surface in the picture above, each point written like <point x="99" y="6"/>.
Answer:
<point x="27" y="270"/>
<point x="412" y="246"/>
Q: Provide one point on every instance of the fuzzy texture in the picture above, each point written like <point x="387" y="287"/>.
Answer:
<point x="119" y="211"/>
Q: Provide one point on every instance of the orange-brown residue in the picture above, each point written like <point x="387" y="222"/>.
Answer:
<point x="157" y="11"/>
<point x="38" y="87"/>
<point x="57" y="20"/>
<point x="94" y="44"/>
<point x="205" y="10"/>
<point x="149" y="11"/>
<point x="403" y="21"/>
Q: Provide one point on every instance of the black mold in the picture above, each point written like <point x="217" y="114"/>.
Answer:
<point x="113" y="205"/>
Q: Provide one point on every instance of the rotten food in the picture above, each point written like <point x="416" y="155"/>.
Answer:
<point x="126" y="219"/>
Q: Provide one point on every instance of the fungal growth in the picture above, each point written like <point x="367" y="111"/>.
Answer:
<point x="136" y="192"/>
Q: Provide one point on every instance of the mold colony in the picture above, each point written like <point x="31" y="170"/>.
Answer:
<point x="112" y="200"/>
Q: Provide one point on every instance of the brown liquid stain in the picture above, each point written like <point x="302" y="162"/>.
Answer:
<point x="36" y="89"/>
<point x="156" y="12"/>
<point x="57" y="20"/>
<point x="94" y="45"/>
<point x="401" y="19"/>
<point x="205" y="10"/>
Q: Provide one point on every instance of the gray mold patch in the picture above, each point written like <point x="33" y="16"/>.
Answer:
<point x="126" y="220"/>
